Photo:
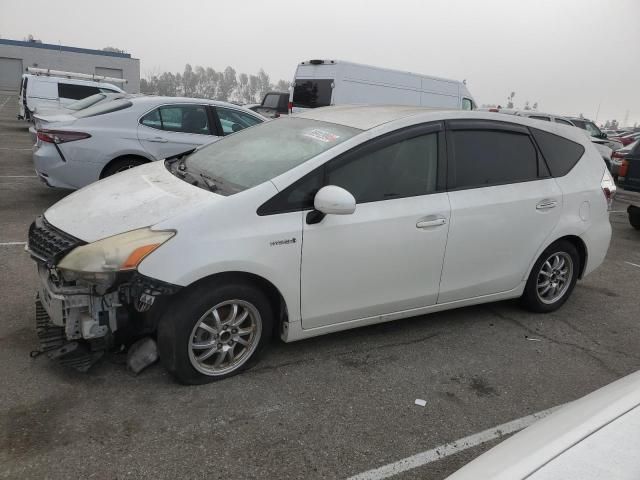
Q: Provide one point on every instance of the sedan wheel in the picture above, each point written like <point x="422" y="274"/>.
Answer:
<point x="225" y="337"/>
<point x="214" y="329"/>
<point x="554" y="277"/>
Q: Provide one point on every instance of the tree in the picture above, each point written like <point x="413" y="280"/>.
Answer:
<point x="113" y="49"/>
<point x="264" y="85"/>
<point x="227" y="84"/>
<point x="207" y="83"/>
<point x="526" y="105"/>
<point x="510" y="100"/>
<point x="189" y="81"/>
<point x="254" y="86"/>
<point x="282" y="86"/>
<point x="535" y="106"/>
<point x="607" y="125"/>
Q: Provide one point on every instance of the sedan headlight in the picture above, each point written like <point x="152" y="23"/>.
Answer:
<point x="98" y="262"/>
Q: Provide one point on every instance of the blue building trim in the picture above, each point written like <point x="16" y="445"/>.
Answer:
<point x="62" y="48"/>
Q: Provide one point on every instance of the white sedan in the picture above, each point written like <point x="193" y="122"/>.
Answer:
<point x="110" y="137"/>
<point x="595" y="437"/>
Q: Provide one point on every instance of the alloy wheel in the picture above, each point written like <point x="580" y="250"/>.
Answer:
<point x="554" y="277"/>
<point x="225" y="337"/>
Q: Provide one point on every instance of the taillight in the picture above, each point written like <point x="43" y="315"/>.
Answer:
<point x="290" y="107"/>
<point x="622" y="169"/>
<point x="617" y="154"/>
<point x="58" y="136"/>
<point x="495" y="110"/>
<point x="608" y="187"/>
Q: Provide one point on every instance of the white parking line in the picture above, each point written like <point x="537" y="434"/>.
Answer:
<point x="5" y="102"/>
<point x="8" y="244"/>
<point x="448" y="449"/>
<point x="15" y="148"/>
<point x="633" y="264"/>
<point x="18" y="176"/>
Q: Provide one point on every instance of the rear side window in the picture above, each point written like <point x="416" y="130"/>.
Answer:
<point x="467" y="104"/>
<point x="486" y="157"/>
<point x="564" y="122"/>
<point x="561" y="154"/>
<point x="233" y="121"/>
<point x="312" y="93"/>
<point x="102" y="108"/>
<point x="539" y="117"/>
<point x="76" y="92"/>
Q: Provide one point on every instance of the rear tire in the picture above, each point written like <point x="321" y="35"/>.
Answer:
<point x="213" y="331"/>
<point x="552" y="278"/>
<point x="634" y="216"/>
<point x="120" y="165"/>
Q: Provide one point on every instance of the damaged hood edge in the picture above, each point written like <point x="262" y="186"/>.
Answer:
<point x="137" y="198"/>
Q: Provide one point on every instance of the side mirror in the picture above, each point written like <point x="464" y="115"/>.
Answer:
<point x="334" y="200"/>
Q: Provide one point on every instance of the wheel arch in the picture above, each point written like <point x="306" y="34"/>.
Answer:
<point x="120" y="157"/>
<point x="276" y="299"/>
<point x="581" y="247"/>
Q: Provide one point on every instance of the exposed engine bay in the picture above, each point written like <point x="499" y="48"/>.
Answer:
<point x="78" y="321"/>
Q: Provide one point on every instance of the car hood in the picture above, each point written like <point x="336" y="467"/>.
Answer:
<point x="137" y="198"/>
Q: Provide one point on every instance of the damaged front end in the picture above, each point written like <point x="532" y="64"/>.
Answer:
<point x="91" y="299"/>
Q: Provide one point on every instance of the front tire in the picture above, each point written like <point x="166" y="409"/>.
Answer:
<point x="552" y="278"/>
<point x="213" y="331"/>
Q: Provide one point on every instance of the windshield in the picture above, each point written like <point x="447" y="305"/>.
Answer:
<point x="257" y="154"/>
<point x="86" y="102"/>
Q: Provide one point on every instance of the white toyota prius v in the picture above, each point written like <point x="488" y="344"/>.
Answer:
<point x="332" y="219"/>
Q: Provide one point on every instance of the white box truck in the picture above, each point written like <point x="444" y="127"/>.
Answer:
<point x="320" y="83"/>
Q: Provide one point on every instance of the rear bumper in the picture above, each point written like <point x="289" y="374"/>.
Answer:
<point x="57" y="172"/>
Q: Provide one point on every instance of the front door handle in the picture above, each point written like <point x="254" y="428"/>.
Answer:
<point x="158" y="140"/>
<point x="546" y="204"/>
<point x="431" y="222"/>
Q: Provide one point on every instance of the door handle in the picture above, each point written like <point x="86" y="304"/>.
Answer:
<point x="158" y="140"/>
<point x="546" y="204"/>
<point x="431" y="222"/>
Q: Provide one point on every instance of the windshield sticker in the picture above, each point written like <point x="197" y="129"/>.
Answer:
<point x="322" y="135"/>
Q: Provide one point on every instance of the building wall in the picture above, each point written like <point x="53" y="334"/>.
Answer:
<point x="74" y="61"/>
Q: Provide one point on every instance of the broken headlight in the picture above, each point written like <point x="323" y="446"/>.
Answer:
<point x="98" y="262"/>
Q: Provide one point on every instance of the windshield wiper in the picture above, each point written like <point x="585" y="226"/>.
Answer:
<point x="208" y="181"/>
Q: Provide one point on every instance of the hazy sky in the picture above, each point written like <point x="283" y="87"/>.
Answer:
<point x="568" y="55"/>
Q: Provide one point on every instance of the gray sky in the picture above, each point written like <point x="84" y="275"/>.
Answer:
<point x="569" y="55"/>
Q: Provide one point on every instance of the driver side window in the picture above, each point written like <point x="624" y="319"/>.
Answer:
<point x="405" y="168"/>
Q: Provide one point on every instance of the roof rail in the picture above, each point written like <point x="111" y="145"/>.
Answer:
<point x="79" y="76"/>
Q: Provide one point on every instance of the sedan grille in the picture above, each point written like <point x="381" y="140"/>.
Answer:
<point x="49" y="244"/>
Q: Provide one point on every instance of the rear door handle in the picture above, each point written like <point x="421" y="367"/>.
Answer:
<point x="158" y="140"/>
<point x="431" y="222"/>
<point x="546" y="204"/>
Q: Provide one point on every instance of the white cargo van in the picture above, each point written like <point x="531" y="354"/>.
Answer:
<point x="55" y="92"/>
<point x="320" y="83"/>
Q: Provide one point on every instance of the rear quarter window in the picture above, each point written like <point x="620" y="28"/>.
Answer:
<point x="560" y="153"/>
